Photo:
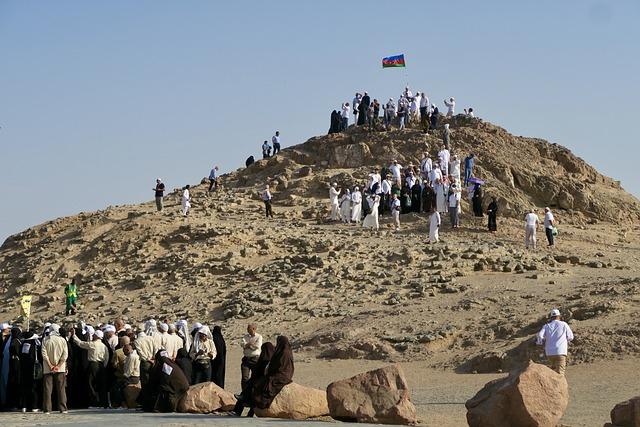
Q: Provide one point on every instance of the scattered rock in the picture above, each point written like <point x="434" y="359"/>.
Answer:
<point x="205" y="398"/>
<point x="379" y="396"/>
<point x="297" y="402"/>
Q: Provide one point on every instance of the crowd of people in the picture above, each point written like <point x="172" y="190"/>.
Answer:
<point x="435" y="186"/>
<point x="119" y="366"/>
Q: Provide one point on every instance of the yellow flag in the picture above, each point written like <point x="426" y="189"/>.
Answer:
<point x="25" y="302"/>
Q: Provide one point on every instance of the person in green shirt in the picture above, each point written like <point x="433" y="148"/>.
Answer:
<point x="71" y="296"/>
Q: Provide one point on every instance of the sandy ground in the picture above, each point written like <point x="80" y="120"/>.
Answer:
<point x="439" y="395"/>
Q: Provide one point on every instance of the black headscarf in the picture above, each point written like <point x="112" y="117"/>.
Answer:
<point x="170" y="387"/>
<point x="279" y="374"/>
<point x="218" y="365"/>
<point x="184" y="362"/>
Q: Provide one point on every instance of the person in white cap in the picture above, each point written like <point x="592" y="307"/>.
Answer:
<point x="186" y="200"/>
<point x="54" y="367"/>
<point x="163" y="333"/>
<point x="159" y="191"/>
<point x="334" y="191"/>
<point x="110" y="336"/>
<point x="555" y="335"/>
<point x="147" y="348"/>
<point x="531" y="222"/>
<point x="203" y="351"/>
<point x="345" y="206"/>
<point x="434" y="225"/>
<point x="98" y="356"/>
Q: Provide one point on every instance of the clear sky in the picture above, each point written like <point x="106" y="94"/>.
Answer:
<point x="97" y="99"/>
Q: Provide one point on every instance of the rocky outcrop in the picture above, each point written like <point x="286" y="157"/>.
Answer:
<point x="205" y="398"/>
<point x="533" y="396"/>
<point x="297" y="402"/>
<point x="626" y="414"/>
<point x="379" y="396"/>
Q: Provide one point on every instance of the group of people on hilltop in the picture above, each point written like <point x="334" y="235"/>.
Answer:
<point x="410" y="108"/>
<point x="434" y="186"/>
<point x="120" y="366"/>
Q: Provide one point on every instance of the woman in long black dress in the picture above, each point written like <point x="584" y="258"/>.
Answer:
<point x="29" y="385"/>
<point x="167" y="385"/>
<point x="492" y="211"/>
<point x="245" y="399"/>
<point x="279" y="374"/>
<point x="218" y="365"/>
<point x="185" y="363"/>
<point x="477" y="201"/>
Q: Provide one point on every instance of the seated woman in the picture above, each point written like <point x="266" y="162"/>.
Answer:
<point x="167" y="384"/>
<point x="279" y="374"/>
<point x="245" y="399"/>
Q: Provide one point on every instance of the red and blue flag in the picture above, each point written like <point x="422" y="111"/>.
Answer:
<point x="393" y="61"/>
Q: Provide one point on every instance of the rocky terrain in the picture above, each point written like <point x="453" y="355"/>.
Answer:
<point x="470" y="303"/>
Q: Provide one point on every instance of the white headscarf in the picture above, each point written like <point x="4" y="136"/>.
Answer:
<point x="150" y="327"/>
<point x="182" y="329"/>
<point x="54" y="330"/>
<point x="196" y="339"/>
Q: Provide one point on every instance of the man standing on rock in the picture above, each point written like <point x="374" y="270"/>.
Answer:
<point x="468" y="168"/>
<point x="531" y="222"/>
<point x="549" y="223"/>
<point x="334" y="192"/>
<point x="275" y="141"/>
<point x="356" y="205"/>
<point x="159" y="190"/>
<point x="443" y="160"/>
<point x="555" y="336"/>
<point x="251" y="344"/>
<point x="213" y="179"/>
<point x="395" y="172"/>
<point x="266" y="198"/>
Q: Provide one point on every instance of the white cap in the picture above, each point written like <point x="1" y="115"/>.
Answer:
<point x="554" y="313"/>
<point x="110" y="328"/>
<point x="99" y="334"/>
<point x="5" y="325"/>
<point x="164" y="327"/>
<point x="127" y="326"/>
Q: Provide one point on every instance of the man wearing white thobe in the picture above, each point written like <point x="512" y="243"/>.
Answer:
<point x="334" y="192"/>
<point x="395" y="173"/>
<point x="443" y="159"/>
<point x="426" y="166"/>
<point x="435" y="175"/>
<point x="434" y="226"/>
<point x="356" y="205"/>
<point x="455" y="169"/>
<point x="531" y="222"/>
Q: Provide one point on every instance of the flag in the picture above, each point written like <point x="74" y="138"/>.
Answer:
<point x="25" y="303"/>
<point x="393" y="61"/>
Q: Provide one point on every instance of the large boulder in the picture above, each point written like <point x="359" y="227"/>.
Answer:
<point x="297" y="402"/>
<point x="378" y="396"/>
<point x="626" y="414"/>
<point x="205" y="398"/>
<point x="534" y="396"/>
<point x="130" y="394"/>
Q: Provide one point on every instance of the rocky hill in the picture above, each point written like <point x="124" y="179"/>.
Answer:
<point x="470" y="302"/>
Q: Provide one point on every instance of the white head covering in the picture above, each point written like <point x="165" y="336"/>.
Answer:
<point x="4" y="326"/>
<point x="183" y="331"/>
<point x="89" y="330"/>
<point x="446" y="125"/>
<point x="54" y="330"/>
<point x="150" y="327"/>
<point x="141" y="334"/>
<point x="110" y="328"/>
<point x="164" y="327"/>
<point x="196" y="339"/>
<point x="99" y="334"/>
<point x="127" y="327"/>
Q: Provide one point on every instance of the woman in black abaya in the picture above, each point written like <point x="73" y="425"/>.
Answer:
<point x="218" y="365"/>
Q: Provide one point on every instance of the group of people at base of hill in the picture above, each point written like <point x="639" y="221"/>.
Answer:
<point x="81" y="366"/>
<point x="410" y="109"/>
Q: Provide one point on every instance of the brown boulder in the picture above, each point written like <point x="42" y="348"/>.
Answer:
<point x="130" y="394"/>
<point x="204" y="398"/>
<point x="534" y="396"/>
<point x="297" y="402"/>
<point x="627" y="413"/>
<point x="378" y="396"/>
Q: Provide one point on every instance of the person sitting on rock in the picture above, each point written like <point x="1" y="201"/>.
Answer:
<point x="245" y="398"/>
<point x="555" y="335"/>
<point x="278" y="374"/>
<point x="251" y="344"/>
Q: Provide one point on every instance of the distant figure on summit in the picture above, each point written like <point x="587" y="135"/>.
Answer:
<point x="276" y="143"/>
<point x="451" y="106"/>
<point x="186" y="200"/>
<point x="213" y="179"/>
<point x="159" y="190"/>
<point x="363" y="108"/>
<point x="266" y="150"/>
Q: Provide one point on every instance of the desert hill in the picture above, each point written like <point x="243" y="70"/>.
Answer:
<point x="471" y="302"/>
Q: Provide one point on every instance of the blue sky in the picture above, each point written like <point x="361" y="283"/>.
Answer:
<point x="97" y="99"/>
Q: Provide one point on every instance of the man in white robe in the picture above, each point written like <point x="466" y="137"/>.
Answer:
<point x="435" y="175"/>
<point x="455" y="169"/>
<point x="334" y="192"/>
<point x="395" y="211"/>
<point x="356" y="205"/>
<point x="443" y="158"/>
<point x="395" y="169"/>
<point x="345" y="207"/>
<point x="441" y="189"/>
<point x="186" y="201"/>
<point x="426" y="166"/>
<point x="451" y="106"/>
<point x="434" y="226"/>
